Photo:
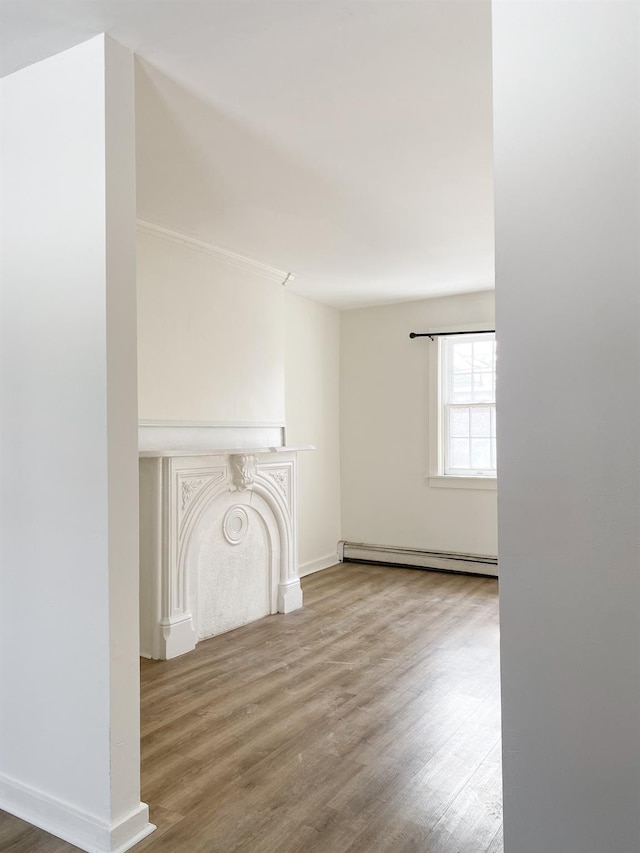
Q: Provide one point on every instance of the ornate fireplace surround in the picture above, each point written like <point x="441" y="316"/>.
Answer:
<point x="241" y="503"/>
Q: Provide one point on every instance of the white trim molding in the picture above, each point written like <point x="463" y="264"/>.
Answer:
<point x="446" y="561"/>
<point x="205" y="248"/>
<point x="326" y="562"/>
<point x="449" y="481"/>
<point x="64" y="821"/>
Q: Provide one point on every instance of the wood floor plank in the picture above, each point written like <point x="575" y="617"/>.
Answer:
<point x="474" y="816"/>
<point x="367" y="722"/>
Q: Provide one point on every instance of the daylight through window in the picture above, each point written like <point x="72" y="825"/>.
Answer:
<point x="468" y="394"/>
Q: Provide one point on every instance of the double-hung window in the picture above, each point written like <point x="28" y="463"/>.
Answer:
<point x="467" y="405"/>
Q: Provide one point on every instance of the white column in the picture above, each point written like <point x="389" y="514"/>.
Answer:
<point x="567" y="137"/>
<point x="69" y="709"/>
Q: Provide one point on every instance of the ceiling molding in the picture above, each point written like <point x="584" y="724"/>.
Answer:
<point x="223" y="255"/>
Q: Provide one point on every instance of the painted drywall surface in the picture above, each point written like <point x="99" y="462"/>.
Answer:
<point x="219" y="344"/>
<point x="312" y="389"/>
<point x="386" y="498"/>
<point x="68" y="431"/>
<point x="210" y="338"/>
<point x="567" y="135"/>
<point x="122" y="429"/>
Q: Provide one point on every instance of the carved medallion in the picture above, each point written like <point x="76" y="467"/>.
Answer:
<point x="235" y="524"/>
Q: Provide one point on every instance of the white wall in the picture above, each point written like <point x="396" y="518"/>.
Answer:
<point x="210" y="338"/>
<point x="69" y="693"/>
<point x="386" y="498"/>
<point x="219" y="343"/>
<point x="567" y="136"/>
<point x="312" y="406"/>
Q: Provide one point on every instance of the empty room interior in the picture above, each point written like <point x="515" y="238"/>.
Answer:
<point x="283" y="285"/>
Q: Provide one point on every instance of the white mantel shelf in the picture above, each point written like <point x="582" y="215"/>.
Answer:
<point x="225" y="451"/>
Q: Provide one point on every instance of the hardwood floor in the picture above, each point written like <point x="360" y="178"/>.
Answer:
<point x="367" y="722"/>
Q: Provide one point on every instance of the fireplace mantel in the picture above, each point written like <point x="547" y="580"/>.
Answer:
<point x="226" y="451"/>
<point x="214" y="515"/>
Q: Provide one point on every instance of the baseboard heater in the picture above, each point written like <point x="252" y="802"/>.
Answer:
<point x="442" y="561"/>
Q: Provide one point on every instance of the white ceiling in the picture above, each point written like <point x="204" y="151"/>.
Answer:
<point x="349" y="142"/>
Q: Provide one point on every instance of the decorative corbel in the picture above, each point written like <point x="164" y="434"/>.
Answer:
<point x="243" y="470"/>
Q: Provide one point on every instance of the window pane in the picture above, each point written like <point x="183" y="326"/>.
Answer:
<point x="459" y="422"/>
<point x="462" y="357"/>
<point x="481" y="422"/>
<point x="493" y="454"/>
<point x="459" y="453"/>
<point x="480" y="453"/>
<point x="483" y="355"/>
<point x="493" y="421"/>
<point x="461" y="387"/>
<point x="482" y="387"/>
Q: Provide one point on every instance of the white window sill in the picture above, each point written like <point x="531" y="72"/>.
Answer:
<point x="449" y="481"/>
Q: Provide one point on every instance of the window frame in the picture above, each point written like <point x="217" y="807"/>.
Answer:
<point x="436" y="476"/>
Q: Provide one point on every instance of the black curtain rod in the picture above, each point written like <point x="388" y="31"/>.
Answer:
<point x="433" y="335"/>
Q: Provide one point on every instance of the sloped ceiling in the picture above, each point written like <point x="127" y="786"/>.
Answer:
<point x="348" y="142"/>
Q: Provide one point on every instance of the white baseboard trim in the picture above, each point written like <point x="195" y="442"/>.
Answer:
<point x="318" y="565"/>
<point x="130" y="830"/>
<point x="446" y="561"/>
<point x="64" y="821"/>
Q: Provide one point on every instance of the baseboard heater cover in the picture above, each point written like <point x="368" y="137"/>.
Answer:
<point x="443" y="561"/>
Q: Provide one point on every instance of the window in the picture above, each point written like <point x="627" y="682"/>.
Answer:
<point x="468" y="405"/>
<point x="462" y="410"/>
